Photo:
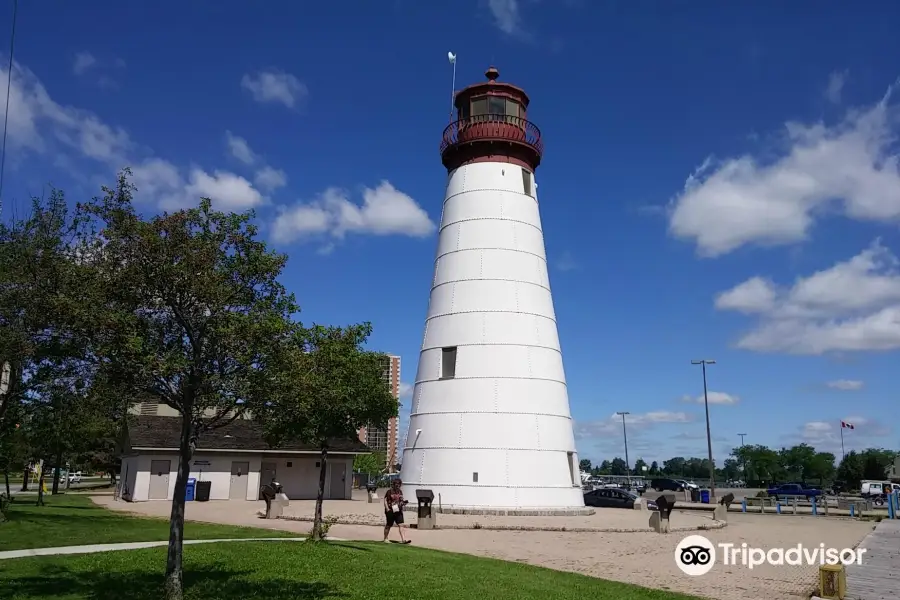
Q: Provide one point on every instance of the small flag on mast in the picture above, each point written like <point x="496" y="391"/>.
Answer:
<point x="846" y="425"/>
<point x="451" y="57"/>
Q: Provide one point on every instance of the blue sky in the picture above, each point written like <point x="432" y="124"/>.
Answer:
<point x="718" y="182"/>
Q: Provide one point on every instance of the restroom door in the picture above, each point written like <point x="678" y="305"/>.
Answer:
<point x="159" y="479"/>
<point x="238" y="489"/>
<point x="338" y="479"/>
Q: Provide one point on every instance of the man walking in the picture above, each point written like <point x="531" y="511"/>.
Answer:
<point x="393" y="510"/>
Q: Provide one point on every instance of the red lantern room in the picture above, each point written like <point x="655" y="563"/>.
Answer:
<point x="491" y="126"/>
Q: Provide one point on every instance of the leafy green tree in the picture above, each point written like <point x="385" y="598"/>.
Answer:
<point x="674" y="467"/>
<point x="654" y="468"/>
<point x="584" y="465"/>
<point x="370" y="464"/>
<point x="196" y="319"/>
<point x="338" y="387"/>
<point x="639" y="465"/>
<point x="618" y="467"/>
<point x="851" y="470"/>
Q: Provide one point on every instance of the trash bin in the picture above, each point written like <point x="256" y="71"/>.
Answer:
<point x="426" y="510"/>
<point x="202" y="491"/>
<point x="695" y="495"/>
<point x="190" y="489"/>
<point x="704" y="496"/>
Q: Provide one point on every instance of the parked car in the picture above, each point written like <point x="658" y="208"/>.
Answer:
<point x="666" y="485"/>
<point x="614" y="498"/>
<point x="75" y="477"/>
<point x="790" y="490"/>
<point x="877" y="488"/>
<point x="688" y="485"/>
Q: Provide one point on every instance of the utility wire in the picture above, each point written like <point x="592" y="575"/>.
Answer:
<point x="12" y="48"/>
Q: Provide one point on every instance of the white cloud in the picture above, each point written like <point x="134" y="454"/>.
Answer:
<point x="83" y="62"/>
<point x="266" y="177"/>
<point x="507" y="16"/>
<point x="270" y="179"/>
<point x="846" y="385"/>
<point x="601" y="428"/>
<point x="384" y="211"/>
<point x="239" y="148"/>
<point x="753" y="296"/>
<point x="273" y="85"/>
<point x="713" y="397"/>
<point x="852" y="306"/>
<point x="849" y="166"/>
<point x="39" y="124"/>
<point x="836" y="82"/>
<point x="825" y="436"/>
<point x="36" y="120"/>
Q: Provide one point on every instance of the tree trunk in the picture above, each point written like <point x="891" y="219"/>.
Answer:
<point x="6" y="480"/>
<point x="320" y="498"/>
<point x="40" y="495"/>
<point x="174" y="582"/>
<point x="25" y="477"/>
<point x="56" y="473"/>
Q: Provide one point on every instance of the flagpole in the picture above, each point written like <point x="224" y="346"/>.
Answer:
<point x="843" y="455"/>
<point x="452" y="58"/>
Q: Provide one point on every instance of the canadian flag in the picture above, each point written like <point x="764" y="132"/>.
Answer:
<point x="847" y="425"/>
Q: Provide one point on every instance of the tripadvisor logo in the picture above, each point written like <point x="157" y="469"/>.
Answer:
<point x="695" y="555"/>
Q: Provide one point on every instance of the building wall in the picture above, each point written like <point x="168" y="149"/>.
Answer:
<point x="386" y="439"/>
<point x="300" y="479"/>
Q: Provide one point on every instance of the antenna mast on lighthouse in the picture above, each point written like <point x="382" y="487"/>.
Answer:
<point x="490" y="426"/>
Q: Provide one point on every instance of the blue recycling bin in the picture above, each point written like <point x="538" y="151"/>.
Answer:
<point x="190" y="490"/>
<point x="704" y="496"/>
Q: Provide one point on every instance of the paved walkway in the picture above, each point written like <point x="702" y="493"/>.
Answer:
<point x="92" y="548"/>
<point x="878" y="578"/>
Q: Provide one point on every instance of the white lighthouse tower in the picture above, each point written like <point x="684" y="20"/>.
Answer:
<point x="490" y="426"/>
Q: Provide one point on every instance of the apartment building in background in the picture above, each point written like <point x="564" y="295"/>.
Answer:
<point x="386" y="439"/>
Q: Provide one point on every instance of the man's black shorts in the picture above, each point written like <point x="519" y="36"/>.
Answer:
<point x="393" y="518"/>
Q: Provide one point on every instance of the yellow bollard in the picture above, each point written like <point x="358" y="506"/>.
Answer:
<point x="832" y="582"/>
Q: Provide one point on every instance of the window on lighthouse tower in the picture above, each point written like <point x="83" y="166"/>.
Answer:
<point x="448" y="363"/>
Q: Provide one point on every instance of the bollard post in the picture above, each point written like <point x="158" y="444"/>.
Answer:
<point x="795" y="505"/>
<point x="815" y="512"/>
<point x="890" y="506"/>
<point x="852" y="510"/>
<point x="896" y="496"/>
<point x="744" y="505"/>
<point x="778" y="508"/>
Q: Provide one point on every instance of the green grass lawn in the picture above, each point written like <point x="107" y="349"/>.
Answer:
<point x="304" y="571"/>
<point x="69" y="520"/>
<point x="261" y="570"/>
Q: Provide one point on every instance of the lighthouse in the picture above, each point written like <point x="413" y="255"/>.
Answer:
<point x="490" y="427"/>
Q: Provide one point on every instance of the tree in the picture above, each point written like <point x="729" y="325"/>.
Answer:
<point x="584" y="465"/>
<point x="639" y="465"/>
<point x="654" y="468"/>
<point x="674" y="467"/>
<point x="851" y="469"/>
<point x="338" y="388"/>
<point x="370" y="464"/>
<point x="618" y="467"/>
<point x="196" y="319"/>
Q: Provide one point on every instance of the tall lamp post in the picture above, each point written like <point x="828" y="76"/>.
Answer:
<point x="625" y="435"/>
<point x="712" y="468"/>
<point x="743" y="459"/>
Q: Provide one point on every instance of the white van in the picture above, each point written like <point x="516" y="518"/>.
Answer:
<point x="877" y="488"/>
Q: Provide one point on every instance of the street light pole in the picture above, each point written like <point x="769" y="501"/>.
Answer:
<point x="712" y="468"/>
<point x="743" y="459"/>
<point x="625" y="435"/>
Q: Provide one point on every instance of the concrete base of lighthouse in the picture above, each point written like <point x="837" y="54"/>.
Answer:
<point x="490" y="429"/>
